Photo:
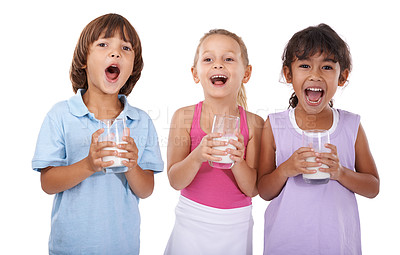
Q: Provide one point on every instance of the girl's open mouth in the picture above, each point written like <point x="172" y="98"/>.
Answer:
<point x="314" y="95"/>
<point x="218" y="80"/>
<point x="112" y="73"/>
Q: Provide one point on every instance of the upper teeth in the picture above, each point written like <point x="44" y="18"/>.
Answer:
<point x="218" y="76"/>
<point x="315" y="89"/>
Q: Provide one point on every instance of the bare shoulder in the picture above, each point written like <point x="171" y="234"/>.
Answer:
<point x="255" y="124"/>
<point x="183" y="117"/>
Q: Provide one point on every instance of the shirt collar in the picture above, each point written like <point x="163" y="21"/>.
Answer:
<point x="78" y="108"/>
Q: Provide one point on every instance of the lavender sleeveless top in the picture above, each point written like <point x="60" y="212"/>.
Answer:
<point x="215" y="187"/>
<point x="313" y="219"/>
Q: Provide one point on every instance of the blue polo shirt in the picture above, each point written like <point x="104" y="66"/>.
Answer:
<point x="100" y="215"/>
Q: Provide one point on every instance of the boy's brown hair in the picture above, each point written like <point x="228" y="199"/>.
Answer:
<point x="109" y="24"/>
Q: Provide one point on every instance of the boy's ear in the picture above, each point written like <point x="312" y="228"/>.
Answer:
<point x="287" y="74"/>
<point x="194" y="73"/>
<point x="247" y="74"/>
<point x="343" y="77"/>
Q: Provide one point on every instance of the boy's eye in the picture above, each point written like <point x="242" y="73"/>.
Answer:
<point x="229" y="59"/>
<point x="327" y="68"/>
<point x="207" y="60"/>
<point x="304" y="66"/>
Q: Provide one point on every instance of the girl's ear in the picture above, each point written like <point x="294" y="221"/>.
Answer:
<point x="287" y="74"/>
<point x="343" y="77"/>
<point x="247" y="74"/>
<point x="194" y="73"/>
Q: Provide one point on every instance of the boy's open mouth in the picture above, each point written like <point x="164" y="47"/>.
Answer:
<point x="112" y="72"/>
<point x="219" y="79"/>
<point x="314" y="95"/>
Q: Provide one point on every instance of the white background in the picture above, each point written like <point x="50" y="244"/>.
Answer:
<point x="37" y="40"/>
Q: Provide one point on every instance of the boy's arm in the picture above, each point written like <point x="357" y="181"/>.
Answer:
<point x="61" y="178"/>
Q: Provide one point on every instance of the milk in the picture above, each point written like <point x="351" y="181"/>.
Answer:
<point x="117" y="166"/>
<point x="226" y="162"/>
<point x="319" y="177"/>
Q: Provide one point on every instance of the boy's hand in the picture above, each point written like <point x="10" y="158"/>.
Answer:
<point x="132" y="151"/>
<point x="131" y="154"/>
<point x="96" y="152"/>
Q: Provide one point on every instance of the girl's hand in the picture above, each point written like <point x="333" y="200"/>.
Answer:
<point x="297" y="163"/>
<point x="332" y="161"/>
<point x="238" y="154"/>
<point x="132" y="151"/>
<point x="96" y="152"/>
<point x="204" y="152"/>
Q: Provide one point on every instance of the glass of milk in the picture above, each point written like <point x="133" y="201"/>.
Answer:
<point x="316" y="139"/>
<point x="114" y="130"/>
<point x="228" y="126"/>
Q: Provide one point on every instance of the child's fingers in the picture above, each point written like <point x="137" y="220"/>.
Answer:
<point x="96" y="135"/>
<point x="238" y="144"/>
<point x="212" y="158"/>
<point x="105" y="144"/>
<point x="240" y="137"/>
<point x="105" y="164"/>
<point x="129" y="146"/>
<point x="129" y="163"/>
<point x="331" y="147"/>
<point x="217" y="152"/>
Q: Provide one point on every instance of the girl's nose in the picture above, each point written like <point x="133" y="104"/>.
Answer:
<point x="315" y="75"/>
<point x="115" y="55"/>
<point x="217" y="65"/>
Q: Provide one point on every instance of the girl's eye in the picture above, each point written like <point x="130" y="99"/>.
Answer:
<point x="304" y="66"/>
<point x="126" y="48"/>
<point x="327" y="68"/>
<point x="207" y="60"/>
<point x="229" y="59"/>
<point x="102" y="44"/>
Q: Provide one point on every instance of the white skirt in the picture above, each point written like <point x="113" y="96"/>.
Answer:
<point x="204" y="230"/>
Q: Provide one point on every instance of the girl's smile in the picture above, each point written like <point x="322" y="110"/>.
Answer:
<point x="315" y="81"/>
<point x="220" y="67"/>
<point x="218" y="79"/>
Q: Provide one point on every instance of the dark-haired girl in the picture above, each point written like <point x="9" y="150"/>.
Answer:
<point x="306" y="218"/>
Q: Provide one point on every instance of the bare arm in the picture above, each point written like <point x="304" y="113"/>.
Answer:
<point x="58" y="179"/>
<point x="140" y="181"/>
<point x="183" y="165"/>
<point x="271" y="180"/>
<point x="245" y="171"/>
<point x="365" y="181"/>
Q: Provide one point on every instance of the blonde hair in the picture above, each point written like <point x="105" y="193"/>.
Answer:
<point x="241" y="97"/>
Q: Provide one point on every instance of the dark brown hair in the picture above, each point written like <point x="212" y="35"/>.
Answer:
<point x="312" y="40"/>
<point x="109" y="24"/>
<point x="241" y="98"/>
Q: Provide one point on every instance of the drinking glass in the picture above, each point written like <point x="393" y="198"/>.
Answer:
<point x="114" y="130"/>
<point x="316" y="139"/>
<point x="228" y="126"/>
